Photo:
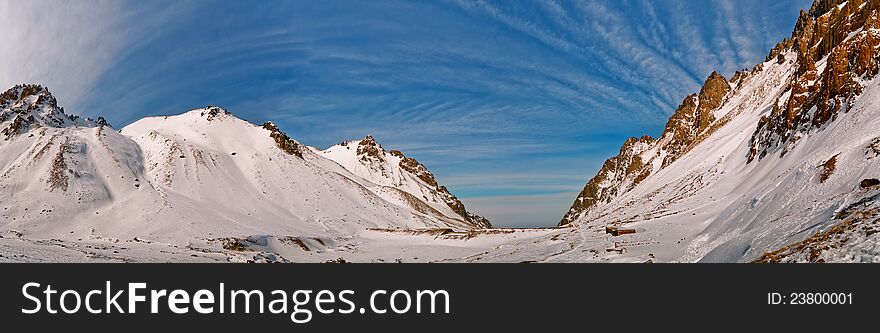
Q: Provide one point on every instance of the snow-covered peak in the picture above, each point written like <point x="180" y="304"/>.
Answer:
<point x="206" y="126"/>
<point x="214" y="112"/>
<point x="203" y="115"/>
<point x="27" y="106"/>
<point x="367" y="159"/>
<point x="214" y="128"/>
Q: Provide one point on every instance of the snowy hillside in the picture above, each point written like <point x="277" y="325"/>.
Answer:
<point x="401" y="179"/>
<point x="783" y="170"/>
<point x="209" y="158"/>
<point x="203" y="179"/>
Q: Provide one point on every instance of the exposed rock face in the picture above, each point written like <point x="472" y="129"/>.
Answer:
<point x="694" y="116"/>
<point x="284" y="142"/>
<point x="640" y="157"/>
<point x="869" y="183"/>
<point x="414" y="167"/>
<point x="211" y="112"/>
<point x="846" y="35"/>
<point x="58" y="178"/>
<point x="368" y="148"/>
<point x="618" y="174"/>
<point x="827" y="169"/>
<point x="29" y="106"/>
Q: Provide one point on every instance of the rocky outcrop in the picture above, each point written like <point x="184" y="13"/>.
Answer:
<point x="828" y="168"/>
<point x="843" y="34"/>
<point x="368" y="148"/>
<point x="640" y="157"/>
<point x="869" y="183"/>
<point x="58" y="178"/>
<point x="417" y="169"/>
<point x="414" y="167"/>
<point x="27" y="106"/>
<point x="694" y="116"/>
<point x="393" y="169"/>
<point x="282" y="141"/>
<point x="836" y="44"/>
<point x="214" y="112"/>
<point x="617" y="175"/>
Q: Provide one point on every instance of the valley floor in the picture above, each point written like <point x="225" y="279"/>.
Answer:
<point x="568" y="244"/>
<point x="369" y="246"/>
<point x="853" y="239"/>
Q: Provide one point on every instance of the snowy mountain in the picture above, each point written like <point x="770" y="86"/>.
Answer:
<point x="776" y="164"/>
<point x="204" y="176"/>
<point x="401" y="179"/>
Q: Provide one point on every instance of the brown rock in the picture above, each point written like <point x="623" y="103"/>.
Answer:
<point x="828" y="169"/>
<point x="843" y="34"/>
<point x="711" y="96"/>
<point x="421" y="172"/>
<point x="868" y="183"/>
<point x="369" y="149"/>
<point x="285" y="143"/>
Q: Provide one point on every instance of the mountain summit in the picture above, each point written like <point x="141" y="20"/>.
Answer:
<point x="691" y="122"/>
<point x="403" y="176"/>
<point x="27" y="106"/>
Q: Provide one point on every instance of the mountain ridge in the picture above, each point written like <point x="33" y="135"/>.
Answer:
<point x="810" y="39"/>
<point x="370" y="160"/>
<point x="767" y="176"/>
<point x="181" y="178"/>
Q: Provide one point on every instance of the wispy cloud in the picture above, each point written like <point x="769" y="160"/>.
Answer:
<point x="65" y="45"/>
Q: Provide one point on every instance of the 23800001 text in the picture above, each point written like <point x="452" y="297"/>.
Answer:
<point x="809" y="298"/>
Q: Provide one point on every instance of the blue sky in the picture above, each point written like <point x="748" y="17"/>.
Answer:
<point x="512" y="104"/>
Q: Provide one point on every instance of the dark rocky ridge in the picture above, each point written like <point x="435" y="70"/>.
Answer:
<point x="815" y="98"/>
<point x="27" y="106"/>
<point x="368" y="149"/>
<point x="690" y="123"/>
<point x="847" y="36"/>
<point x="282" y="141"/>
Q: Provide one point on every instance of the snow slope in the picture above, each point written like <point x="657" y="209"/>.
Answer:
<point x="785" y="175"/>
<point x="712" y="206"/>
<point x="202" y="179"/>
<point x="209" y="158"/>
<point x="401" y="179"/>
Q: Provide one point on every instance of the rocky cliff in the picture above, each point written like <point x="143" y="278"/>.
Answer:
<point x="842" y="35"/>
<point x="640" y="157"/>
<point x="776" y="164"/>
<point x="28" y="106"/>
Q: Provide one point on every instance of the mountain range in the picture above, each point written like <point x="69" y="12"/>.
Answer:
<point x="201" y="176"/>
